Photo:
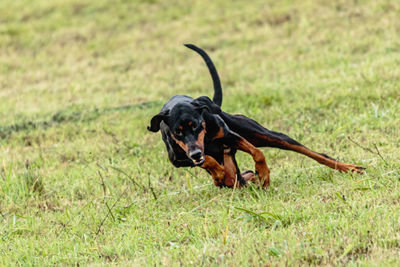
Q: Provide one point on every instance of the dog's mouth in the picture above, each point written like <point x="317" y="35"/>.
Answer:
<point x="196" y="155"/>
<point x="198" y="161"/>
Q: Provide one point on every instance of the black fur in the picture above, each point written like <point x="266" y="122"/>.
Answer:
<point x="214" y="74"/>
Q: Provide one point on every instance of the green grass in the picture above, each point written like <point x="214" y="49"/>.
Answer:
<point x="83" y="182"/>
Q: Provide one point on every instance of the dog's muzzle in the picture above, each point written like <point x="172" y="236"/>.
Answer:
<point x="197" y="156"/>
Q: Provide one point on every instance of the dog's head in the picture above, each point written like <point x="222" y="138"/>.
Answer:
<point x="187" y="125"/>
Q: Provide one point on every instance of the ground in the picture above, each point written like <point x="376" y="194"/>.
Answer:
<point x="83" y="182"/>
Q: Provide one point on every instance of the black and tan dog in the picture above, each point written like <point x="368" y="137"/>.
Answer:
<point x="197" y="132"/>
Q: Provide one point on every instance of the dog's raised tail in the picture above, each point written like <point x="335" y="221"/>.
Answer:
<point x="214" y="74"/>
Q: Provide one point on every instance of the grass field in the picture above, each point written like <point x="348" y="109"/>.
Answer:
<point x="83" y="182"/>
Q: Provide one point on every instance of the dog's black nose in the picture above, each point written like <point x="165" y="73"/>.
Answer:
<point x="195" y="155"/>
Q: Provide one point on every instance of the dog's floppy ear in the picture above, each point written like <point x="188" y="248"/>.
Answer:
<point x="211" y="120"/>
<point x="205" y="103"/>
<point x="157" y="119"/>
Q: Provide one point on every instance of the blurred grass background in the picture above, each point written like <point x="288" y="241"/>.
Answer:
<point x="83" y="182"/>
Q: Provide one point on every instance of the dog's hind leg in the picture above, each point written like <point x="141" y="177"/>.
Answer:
<point x="259" y="136"/>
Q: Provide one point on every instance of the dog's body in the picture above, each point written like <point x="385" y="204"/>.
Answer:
<point x="197" y="133"/>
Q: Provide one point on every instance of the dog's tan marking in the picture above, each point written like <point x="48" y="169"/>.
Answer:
<point x="215" y="169"/>
<point x="230" y="179"/>
<point x="220" y="134"/>
<point x="337" y="165"/>
<point x="181" y="144"/>
<point x="200" y="139"/>
<point x="259" y="159"/>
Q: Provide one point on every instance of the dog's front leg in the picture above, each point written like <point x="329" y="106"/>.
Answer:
<point x="233" y="177"/>
<point x="235" y="140"/>
<point x="226" y="174"/>
<point x="215" y="169"/>
<point x="218" y="130"/>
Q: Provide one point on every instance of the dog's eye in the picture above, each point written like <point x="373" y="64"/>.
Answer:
<point x="178" y="132"/>
<point x="194" y="126"/>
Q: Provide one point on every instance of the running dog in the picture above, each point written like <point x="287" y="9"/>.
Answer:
<point x="197" y="132"/>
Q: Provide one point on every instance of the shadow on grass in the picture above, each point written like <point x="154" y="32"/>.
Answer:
<point x="68" y="115"/>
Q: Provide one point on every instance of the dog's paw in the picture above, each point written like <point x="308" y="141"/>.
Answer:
<point x="263" y="174"/>
<point x="347" y="167"/>
<point x="249" y="176"/>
